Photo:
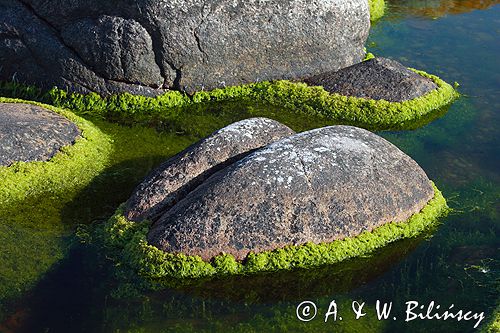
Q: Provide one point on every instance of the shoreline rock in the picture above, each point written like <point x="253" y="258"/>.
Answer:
<point x="179" y="175"/>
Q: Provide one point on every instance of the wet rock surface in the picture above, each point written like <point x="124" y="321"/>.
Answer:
<point x="32" y="133"/>
<point x="377" y="78"/>
<point x="145" y="47"/>
<point x="178" y="176"/>
<point x="317" y="186"/>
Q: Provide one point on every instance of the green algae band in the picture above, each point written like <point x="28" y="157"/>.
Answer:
<point x="294" y="96"/>
<point x="33" y="196"/>
<point x="126" y="243"/>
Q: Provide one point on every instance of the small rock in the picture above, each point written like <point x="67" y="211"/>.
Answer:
<point x="377" y="78"/>
<point x="317" y="186"/>
<point x="172" y="180"/>
<point x="32" y="133"/>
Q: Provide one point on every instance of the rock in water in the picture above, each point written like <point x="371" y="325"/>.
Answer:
<point x="32" y="133"/>
<point x="179" y="175"/>
<point x="143" y="46"/>
<point x="377" y="78"/>
<point x="316" y="186"/>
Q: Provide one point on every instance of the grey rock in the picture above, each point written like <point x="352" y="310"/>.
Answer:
<point x="317" y="186"/>
<point x="145" y="46"/>
<point x="32" y="133"/>
<point x="172" y="180"/>
<point x="377" y="78"/>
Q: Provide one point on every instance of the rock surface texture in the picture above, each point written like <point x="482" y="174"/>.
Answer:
<point x="178" y="176"/>
<point x="377" y="78"/>
<point x="316" y="186"/>
<point x="32" y="133"/>
<point x="144" y="46"/>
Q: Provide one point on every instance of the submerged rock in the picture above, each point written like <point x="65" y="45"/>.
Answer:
<point x="317" y="186"/>
<point x="32" y="133"/>
<point x="377" y="78"/>
<point x="179" y="175"/>
<point x="144" y="47"/>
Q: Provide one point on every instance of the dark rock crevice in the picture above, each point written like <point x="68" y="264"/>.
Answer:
<point x="178" y="195"/>
<point x="198" y="27"/>
<point x="78" y="57"/>
<point x="178" y="177"/>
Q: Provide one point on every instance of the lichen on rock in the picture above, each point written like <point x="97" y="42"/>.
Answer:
<point x="172" y="180"/>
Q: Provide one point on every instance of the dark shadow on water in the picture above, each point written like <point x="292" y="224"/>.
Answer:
<point x="75" y="295"/>
<point x="96" y="203"/>
<point x="200" y="120"/>
<point x="99" y="200"/>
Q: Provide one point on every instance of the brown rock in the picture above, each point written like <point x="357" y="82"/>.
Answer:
<point x="32" y="133"/>
<point x="182" y="173"/>
<point x="316" y="186"/>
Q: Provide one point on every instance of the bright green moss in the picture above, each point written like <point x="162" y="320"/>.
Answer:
<point x="377" y="9"/>
<point x="294" y="96"/>
<point x="126" y="243"/>
<point x="494" y="325"/>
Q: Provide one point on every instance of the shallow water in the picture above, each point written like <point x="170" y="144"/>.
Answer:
<point x="456" y="263"/>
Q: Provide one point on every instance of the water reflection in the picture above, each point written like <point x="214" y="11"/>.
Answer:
<point x="439" y="8"/>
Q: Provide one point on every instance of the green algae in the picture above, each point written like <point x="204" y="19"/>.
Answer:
<point x="125" y="242"/>
<point x="377" y="9"/>
<point x="294" y="96"/>
<point x="494" y="325"/>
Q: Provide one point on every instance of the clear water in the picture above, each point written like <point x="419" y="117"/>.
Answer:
<point x="456" y="263"/>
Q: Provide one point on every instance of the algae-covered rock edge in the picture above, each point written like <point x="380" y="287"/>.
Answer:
<point x="124" y="242"/>
<point x="295" y="96"/>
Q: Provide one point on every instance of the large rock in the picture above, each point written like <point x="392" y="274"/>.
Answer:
<point x="145" y="46"/>
<point x="317" y="186"/>
<point x="377" y="78"/>
<point x="32" y="133"/>
<point x="175" y="178"/>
